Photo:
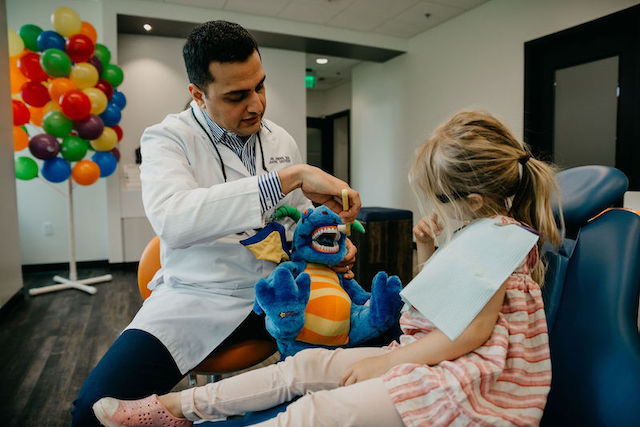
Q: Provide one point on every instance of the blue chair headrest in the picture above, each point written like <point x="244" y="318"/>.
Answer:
<point x="586" y="191"/>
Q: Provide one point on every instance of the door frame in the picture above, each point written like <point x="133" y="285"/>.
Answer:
<point x="325" y="124"/>
<point x="617" y="34"/>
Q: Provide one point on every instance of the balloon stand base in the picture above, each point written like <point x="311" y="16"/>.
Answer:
<point x="81" y="285"/>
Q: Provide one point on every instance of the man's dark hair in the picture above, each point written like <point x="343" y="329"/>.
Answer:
<point x="218" y="41"/>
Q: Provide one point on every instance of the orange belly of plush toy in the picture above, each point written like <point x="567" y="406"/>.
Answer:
<point x="327" y="316"/>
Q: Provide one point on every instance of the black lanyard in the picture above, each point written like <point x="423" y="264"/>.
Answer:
<point x="224" y="173"/>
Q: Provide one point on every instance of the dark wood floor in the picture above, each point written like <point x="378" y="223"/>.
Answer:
<point x="49" y="343"/>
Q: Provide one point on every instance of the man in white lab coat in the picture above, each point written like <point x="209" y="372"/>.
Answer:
<point x="211" y="175"/>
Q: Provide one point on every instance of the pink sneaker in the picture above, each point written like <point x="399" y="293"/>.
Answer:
<point x="144" y="412"/>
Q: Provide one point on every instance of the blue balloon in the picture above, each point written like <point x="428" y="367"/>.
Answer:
<point x="111" y="115"/>
<point x="56" y="169"/>
<point x="119" y="99"/>
<point x="106" y="161"/>
<point x="50" y="39"/>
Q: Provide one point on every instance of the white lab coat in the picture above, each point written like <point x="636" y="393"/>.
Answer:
<point x="205" y="288"/>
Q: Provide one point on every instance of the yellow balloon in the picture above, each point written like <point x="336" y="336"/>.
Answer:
<point x="66" y="21"/>
<point x="16" y="45"/>
<point x="49" y="107"/>
<point x="106" y="141"/>
<point x="98" y="100"/>
<point x="84" y="75"/>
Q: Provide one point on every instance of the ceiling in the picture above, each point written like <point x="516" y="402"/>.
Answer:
<point x="332" y="74"/>
<point x="398" y="18"/>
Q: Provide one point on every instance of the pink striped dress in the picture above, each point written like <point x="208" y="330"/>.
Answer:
<point x="504" y="382"/>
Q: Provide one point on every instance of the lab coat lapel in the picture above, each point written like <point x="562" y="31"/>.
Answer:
<point x="230" y="159"/>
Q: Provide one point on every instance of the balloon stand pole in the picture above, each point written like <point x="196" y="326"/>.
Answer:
<point x="72" y="282"/>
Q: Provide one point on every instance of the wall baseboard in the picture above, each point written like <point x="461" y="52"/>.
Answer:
<point x="38" y="268"/>
<point x="12" y="304"/>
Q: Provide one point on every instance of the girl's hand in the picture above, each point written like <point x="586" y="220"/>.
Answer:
<point x="427" y="229"/>
<point x="371" y="367"/>
<point x="346" y="264"/>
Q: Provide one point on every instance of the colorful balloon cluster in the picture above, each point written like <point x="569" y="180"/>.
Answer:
<point x="62" y="82"/>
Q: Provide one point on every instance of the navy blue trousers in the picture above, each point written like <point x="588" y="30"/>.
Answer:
<point x="138" y="365"/>
<point x="135" y="366"/>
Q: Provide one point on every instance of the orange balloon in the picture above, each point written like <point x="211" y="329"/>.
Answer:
<point x="49" y="107"/>
<point x="60" y="86"/>
<point x="20" y="139"/>
<point x="88" y="30"/>
<point x="85" y="172"/>
<point x="36" y="115"/>
<point x="16" y="76"/>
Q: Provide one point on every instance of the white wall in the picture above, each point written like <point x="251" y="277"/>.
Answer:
<point x="286" y="94"/>
<point x="475" y="60"/>
<point x="9" y="245"/>
<point x="155" y="85"/>
<point x="322" y="103"/>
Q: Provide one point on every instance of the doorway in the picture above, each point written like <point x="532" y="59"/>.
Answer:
<point x="581" y="90"/>
<point x="329" y="144"/>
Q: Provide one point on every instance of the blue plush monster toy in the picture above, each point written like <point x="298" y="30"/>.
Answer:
<point x="307" y="304"/>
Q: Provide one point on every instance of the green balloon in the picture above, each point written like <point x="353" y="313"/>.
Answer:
<point x="113" y="74"/>
<point x="57" y="124"/>
<point x="73" y="148"/>
<point x="26" y="168"/>
<point x="102" y="53"/>
<point x="55" y="62"/>
<point x="29" y="34"/>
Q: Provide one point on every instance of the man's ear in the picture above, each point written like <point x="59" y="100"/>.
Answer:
<point x="475" y="201"/>
<point x="197" y="95"/>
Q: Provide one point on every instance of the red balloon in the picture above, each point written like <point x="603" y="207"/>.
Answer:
<point x="21" y="113"/>
<point x="35" y="94"/>
<point x="116" y="153"/>
<point x="29" y="64"/>
<point x="106" y="87"/>
<point x="79" y="48"/>
<point x="75" y="104"/>
<point x="118" y="131"/>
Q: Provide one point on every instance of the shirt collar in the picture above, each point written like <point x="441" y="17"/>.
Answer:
<point x="219" y="132"/>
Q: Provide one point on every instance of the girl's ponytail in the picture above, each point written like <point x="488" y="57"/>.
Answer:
<point x="532" y="204"/>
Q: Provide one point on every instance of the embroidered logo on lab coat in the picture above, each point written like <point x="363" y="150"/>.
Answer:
<point x="279" y="159"/>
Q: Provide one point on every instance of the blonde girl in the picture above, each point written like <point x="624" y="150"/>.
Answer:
<point x="497" y="372"/>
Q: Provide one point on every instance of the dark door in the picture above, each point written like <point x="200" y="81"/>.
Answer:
<point x="328" y="144"/>
<point x="582" y="94"/>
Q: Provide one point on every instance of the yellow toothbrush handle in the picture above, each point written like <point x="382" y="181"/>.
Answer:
<point x="345" y="206"/>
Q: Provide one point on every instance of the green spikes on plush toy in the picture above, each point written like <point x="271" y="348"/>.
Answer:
<point x="307" y="304"/>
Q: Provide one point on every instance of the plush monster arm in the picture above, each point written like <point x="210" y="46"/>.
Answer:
<point x="283" y="299"/>
<point x="358" y="295"/>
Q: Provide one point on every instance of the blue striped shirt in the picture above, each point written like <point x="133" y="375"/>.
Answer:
<point x="269" y="185"/>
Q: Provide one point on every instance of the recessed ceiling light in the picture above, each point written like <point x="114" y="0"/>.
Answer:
<point x="321" y="61"/>
<point x="147" y="27"/>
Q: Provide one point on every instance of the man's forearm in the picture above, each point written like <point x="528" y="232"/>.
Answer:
<point x="291" y="178"/>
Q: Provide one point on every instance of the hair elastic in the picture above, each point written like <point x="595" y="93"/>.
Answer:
<point x="524" y="159"/>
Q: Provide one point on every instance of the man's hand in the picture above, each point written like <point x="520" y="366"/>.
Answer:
<point x="320" y="187"/>
<point x="346" y="264"/>
<point x="371" y="367"/>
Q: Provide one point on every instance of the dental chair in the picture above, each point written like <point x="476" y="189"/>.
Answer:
<point x="591" y="300"/>
<point x="591" y="295"/>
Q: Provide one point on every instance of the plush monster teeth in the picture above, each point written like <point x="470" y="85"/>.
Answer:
<point x="327" y="249"/>
<point x="326" y="229"/>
